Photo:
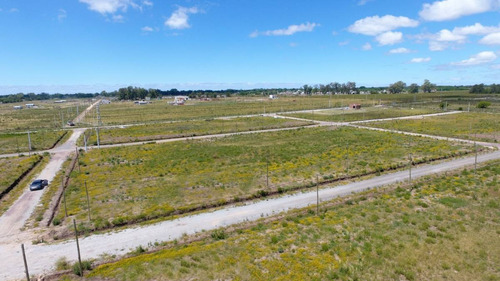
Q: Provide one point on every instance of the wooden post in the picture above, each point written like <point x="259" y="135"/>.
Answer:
<point x="85" y="141"/>
<point x="78" y="159"/>
<point x="29" y="144"/>
<point x="475" y="158"/>
<point x="64" y="193"/>
<point x="267" y="173"/>
<point x="78" y="247"/>
<point x="98" y="142"/>
<point x="88" y="199"/>
<point x="25" y="263"/>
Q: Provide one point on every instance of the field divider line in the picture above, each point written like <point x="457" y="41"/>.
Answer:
<point x="205" y="136"/>
<point x="485" y="144"/>
<point x="406" y="117"/>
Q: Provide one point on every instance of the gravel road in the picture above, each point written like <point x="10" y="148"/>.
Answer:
<point x="41" y="258"/>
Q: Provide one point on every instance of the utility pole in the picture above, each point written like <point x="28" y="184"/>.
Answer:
<point x="98" y="142"/>
<point x="78" y="247"/>
<point x="25" y="263"/>
<point x="29" y="143"/>
<point x="64" y="193"/>
<point x="88" y="199"/>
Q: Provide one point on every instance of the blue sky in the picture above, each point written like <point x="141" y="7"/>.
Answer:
<point x="92" y="45"/>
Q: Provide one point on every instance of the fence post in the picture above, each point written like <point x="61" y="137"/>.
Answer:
<point x="317" y="195"/>
<point x="88" y="199"/>
<point x="78" y="247"/>
<point x="64" y="193"/>
<point x="25" y="263"/>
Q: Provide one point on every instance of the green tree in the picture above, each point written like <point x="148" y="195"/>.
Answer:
<point x="427" y="87"/>
<point x="397" y="87"/>
<point x="477" y="89"/>
<point x="483" y="104"/>
<point x="413" y="88"/>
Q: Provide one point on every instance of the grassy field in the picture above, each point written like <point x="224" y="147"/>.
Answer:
<point x="48" y="115"/>
<point x="160" y="110"/>
<point x="13" y="167"/>
<point x="137" y="183"/>
<point x="18" y="142"/>
<point x="475" y="126"/>
<point x="188" y="128"/>
<point x="339" y="115"/>
<point x="442" y="228"/>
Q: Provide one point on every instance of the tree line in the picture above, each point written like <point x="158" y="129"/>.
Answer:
<point x="482" y="89"/>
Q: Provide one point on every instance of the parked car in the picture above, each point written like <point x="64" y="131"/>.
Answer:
<point x="38" y="184"/>
<point x="70" y="123"/>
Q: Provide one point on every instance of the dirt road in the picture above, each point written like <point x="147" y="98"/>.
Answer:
<point x="41" y="258"/>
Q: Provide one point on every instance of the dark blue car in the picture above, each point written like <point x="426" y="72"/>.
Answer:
<point x="38" y="184"/>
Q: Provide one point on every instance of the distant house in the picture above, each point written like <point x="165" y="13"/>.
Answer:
<point x="141" y="102"/>
<point x="18" y="107"/>
<point x="355" y="106"/>
<point x="273" y="97"/>
<point x="105" y="101"/>
<point x="60" y="101"/>
<point x="30" y="105"/>
<point x="180" y="100"/>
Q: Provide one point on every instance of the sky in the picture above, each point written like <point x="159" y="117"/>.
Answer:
<point x="72" y="46"/>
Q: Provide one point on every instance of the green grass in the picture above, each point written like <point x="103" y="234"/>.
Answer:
<point x="18" y="142"/>
<point x="339" y="115"/>
<point x="13" y="167"/>
<point x="160" y="110"/>
<point x="48" y="115"/>
<point x="472" y="126"/>
<point x="129" y="184"/>
<point x="188" y="128"/>
<point x="401" y="235"/>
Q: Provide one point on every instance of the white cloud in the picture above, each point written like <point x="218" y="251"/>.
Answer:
<point x="376" y="25"/>
<point x="108" y="6"/>
<point x="420" y="60"/>
<point x="147" y="3"/>
<point x="290" y="30"/>
<point x="14" y="10"/>
<point x="481" y="58"/>
<point x="491" y="39"/>
<point x="389" y="38"/>
<point x="179" y="18"/>
<point x="453" y="9"/>
<point x="447" y="36"/>
<point x="367" y="47"/>
<point x="495" y="66"/>
<point x="147" y="29"/>
<point x="363" y="2"/>
<point x="437" y="46"/>
<point x="400" y="51"/>
<point x="476" y="29"/>
<point x="61" y="14"/>
<point x="117" y="18"/>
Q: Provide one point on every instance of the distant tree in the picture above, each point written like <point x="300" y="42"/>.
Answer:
<point x="427" y="87"/>
<point x="413" y="88"/>
<point x="495" y="89"/>
<point x="307" y="89"/>
<point x="397" y="87"/>
<point x="483" y="104"/>
<point x="477" y="89"/>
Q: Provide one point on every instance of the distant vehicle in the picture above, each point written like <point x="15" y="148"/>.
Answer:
<point x="38" y="184"/>
<point x="70" y="123"/>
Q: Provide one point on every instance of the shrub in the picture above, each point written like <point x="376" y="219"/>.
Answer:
<point x="483" y="104"/>
<point x="86" y="265"/>
<point x="62" y="264"/>
<point x="56" y="221"/>
<point x="219" y="234"/>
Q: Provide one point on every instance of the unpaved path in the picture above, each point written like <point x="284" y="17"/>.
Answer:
<point x="14" y="218"/>
<point x="41" y="258"/>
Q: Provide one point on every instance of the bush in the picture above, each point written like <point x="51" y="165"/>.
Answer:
<point x="56" y="221"/>
<point x="483" y="104"/>
<point x="219" y="234"/>
<point x="86" y="265"/>
<point x="62" y="264"/>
